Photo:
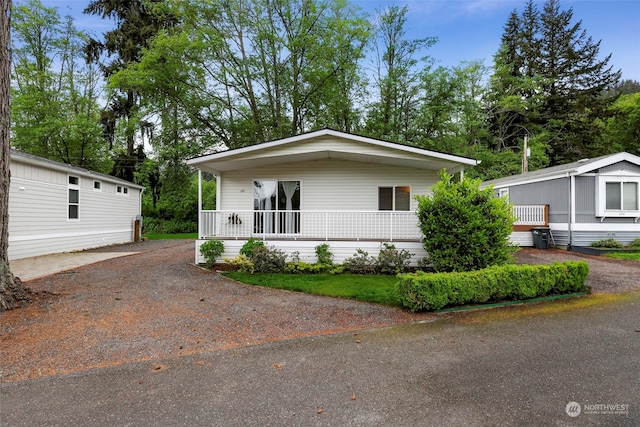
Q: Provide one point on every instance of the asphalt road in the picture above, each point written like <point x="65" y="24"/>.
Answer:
<point x="519" y="366"/>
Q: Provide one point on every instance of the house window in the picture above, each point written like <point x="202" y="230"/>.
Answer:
<point x="503" y="192"/>
<point x="394" y="198"/>
<point x="122" y="190"/>
<point x="277" y="206"/>
<point x="73" y="198"/>
<point x="618" y="196"/>
<point x="97" y="185"/>
<point x="622" y="196"/>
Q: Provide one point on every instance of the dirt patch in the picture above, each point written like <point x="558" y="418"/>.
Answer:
<point x="156" y="305"/>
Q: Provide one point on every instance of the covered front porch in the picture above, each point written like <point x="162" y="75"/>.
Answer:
<point x="345" y="231"/>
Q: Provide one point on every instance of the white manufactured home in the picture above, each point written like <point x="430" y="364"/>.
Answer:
<point x="587" y="201"/>
<point x="349" y="191"/>
<point x="55" y="207"/>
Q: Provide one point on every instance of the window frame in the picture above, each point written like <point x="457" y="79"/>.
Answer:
<point x="394" y="192"/>
<point x="97" y="188"/>
<point x="73" y="184"/>
<point x="619" y="178"/>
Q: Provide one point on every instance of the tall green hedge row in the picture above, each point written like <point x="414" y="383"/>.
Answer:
<point x="422" y="291"/>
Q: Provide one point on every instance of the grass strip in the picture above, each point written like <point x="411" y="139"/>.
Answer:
<point x="634" y="256"/>
<point x="154" y="236"/>
<point x="378" y="289"/>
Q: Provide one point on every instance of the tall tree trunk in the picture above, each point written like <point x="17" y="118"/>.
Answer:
<point x="12" y="290"/>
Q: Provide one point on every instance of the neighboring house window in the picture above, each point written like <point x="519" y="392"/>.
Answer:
<point x="622" y="196"/>
<point x="277" y="206"/>
<point x="73" y="198"/>
<point x="394" y="198"/>
<point x="503" y="192"/>
<point x="122" y="190"/>
<point x="97" y="185"/>
<point x="618" y="196"/>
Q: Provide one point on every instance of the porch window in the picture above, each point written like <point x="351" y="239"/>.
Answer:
<point x="277" y="206"/>
<point x="394" y="198"/>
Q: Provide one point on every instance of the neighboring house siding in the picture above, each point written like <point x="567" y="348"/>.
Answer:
<point x="39" y="209"/>
<point x="555" y="193"/>
<point x="585" y="238"/>
<point x="585" y="191"/>
<point x="328" y="185"/>
<point x="620" y="166"/>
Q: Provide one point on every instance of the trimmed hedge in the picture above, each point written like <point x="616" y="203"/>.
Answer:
<point x="422" y="291"/>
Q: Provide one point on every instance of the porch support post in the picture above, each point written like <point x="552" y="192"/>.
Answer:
<point x="461" y="175"/>
<point x="218" y="192"/>
<point x="200" y="236"/>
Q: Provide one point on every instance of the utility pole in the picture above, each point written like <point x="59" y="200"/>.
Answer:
<point x="525" y="155"/>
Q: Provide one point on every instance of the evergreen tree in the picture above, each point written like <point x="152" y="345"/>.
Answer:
<point x="548" y="83"/>
<point x="136" y="25"/>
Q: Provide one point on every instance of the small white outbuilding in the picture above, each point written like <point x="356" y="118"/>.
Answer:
<point x="54" y="207"/>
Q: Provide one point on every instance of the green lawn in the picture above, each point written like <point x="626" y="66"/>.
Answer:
<point x="153" y="236"/>
<point x="378" y="289"/>
<point x="635" y="256"/>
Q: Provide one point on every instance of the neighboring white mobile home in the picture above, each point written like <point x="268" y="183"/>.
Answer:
<point x="55" y="207"/>
<point x="588" y="200"/>
<point x="326" y="186"/>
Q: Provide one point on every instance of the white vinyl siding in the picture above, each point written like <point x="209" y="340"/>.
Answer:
<point x="328" y="185"/>
<point x="39" y="209"/>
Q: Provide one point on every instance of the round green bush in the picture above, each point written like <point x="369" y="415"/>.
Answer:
<point x="211" y="250"/>
<point x="465" y="227"/>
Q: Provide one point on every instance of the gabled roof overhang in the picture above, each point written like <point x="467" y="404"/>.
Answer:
<point x="571" y="169"/>
<point x="321" y="145"/>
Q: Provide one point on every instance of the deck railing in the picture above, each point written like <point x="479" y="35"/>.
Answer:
<point x="332" y="225"/>
<point x="321" y="225"/>
<point x="536" y="215"/>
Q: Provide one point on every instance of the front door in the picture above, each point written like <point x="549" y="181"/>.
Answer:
<point x="277" y="206"/>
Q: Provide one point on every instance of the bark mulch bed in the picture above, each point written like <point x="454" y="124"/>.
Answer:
<point x="156" y="305"/>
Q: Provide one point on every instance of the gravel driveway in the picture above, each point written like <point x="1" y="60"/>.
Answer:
<point x="156" y="305"/>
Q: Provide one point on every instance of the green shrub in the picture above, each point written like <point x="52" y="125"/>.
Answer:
<point x="211" y="250"/>
<point x="242" y="263"/>
<point x="635" y="243"/>
<point x="360" y="263"/>
<point x="392" y="261"/>
<point x="465" y="228"/>
<point x="301" y="267"/>
<point x="268" y="259"/>
<point x="607" y="243"/>
<point x="325" y="257"/>
<point x="431" y="291"/>
<point x="247" y="248"/>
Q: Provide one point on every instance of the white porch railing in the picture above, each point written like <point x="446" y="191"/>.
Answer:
<point x="531" y="215"/>
<point x="321" y="225"/>
<point x="332" y="225"/>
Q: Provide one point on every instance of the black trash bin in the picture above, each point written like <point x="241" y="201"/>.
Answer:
<point x="541" y="237"/>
